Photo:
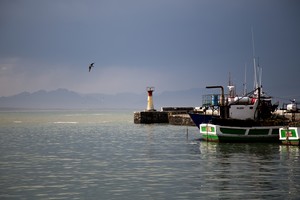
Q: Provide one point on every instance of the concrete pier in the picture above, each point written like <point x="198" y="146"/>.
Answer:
<point x="150" y="117"/>
<point x="171" y="115"/>
<point x="181" y="120"/>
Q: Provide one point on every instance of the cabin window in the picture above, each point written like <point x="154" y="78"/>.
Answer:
<point x="251" y="107"/>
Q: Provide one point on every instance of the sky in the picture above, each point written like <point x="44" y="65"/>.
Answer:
<point x="169" y="44"/>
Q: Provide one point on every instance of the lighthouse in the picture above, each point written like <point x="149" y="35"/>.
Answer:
<point x="150" y="106"/>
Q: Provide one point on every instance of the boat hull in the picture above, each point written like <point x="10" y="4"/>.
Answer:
<point x="218" y="133"/>
<point x="200" y="118"/>
<point x="289" y="135"/>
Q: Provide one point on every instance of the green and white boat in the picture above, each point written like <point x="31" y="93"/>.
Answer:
<point x="248" y="118"/>
<point x="289" y="135"/>
<point x="244" y="119"/>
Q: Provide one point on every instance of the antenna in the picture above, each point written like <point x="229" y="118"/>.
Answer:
<point x="254" y="62"/>
<point x="253" y="48"/>
<point x="260" y="73"/>
<point x="257" y="68"/>
<point x="245" y="80"/>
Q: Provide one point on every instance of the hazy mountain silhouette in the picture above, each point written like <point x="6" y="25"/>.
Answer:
<point x="66" y="99"/>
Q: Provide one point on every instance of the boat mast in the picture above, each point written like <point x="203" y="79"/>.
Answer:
<point x="260" y="75"/>
<point x="257" y="69"/>
<point x="254" y="62"/>
<point x="245" y="80"/>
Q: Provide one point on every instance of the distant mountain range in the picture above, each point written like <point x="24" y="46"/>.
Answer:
<point x="66" y="99"/>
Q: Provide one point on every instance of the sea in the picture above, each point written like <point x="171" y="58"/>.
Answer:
<point x="102" y="154"/>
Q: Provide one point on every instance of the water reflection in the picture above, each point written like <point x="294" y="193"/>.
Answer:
<point x="289" y="156"/>
<point x="289" y="152"/>
<point x="258" y="170"/>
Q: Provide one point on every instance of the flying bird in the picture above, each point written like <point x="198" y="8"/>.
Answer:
<point x="90" y="67"/>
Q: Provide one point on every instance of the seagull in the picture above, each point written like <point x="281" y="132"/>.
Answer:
<point x="90" y="67"/>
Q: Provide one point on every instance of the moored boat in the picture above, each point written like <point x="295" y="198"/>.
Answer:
<point x="289" y="135"/>
<point x="244" y="119"/>
<point x="247" y="118"/>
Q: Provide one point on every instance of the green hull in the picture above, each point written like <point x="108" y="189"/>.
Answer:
<point x="217" y="133"/>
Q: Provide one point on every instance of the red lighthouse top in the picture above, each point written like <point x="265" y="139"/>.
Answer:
<point x="150" y="90"/>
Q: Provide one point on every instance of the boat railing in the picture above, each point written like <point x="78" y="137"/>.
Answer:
<point x="212" y="100"/>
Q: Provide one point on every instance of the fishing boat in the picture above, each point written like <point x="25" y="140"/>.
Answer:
<point x="244" y="119"/>
<point x="247" y="118"/>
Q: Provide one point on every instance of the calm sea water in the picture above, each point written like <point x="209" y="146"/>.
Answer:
<point x="104" y="155"/>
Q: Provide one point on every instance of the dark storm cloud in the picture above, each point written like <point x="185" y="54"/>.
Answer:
<point x="171" y="44"/>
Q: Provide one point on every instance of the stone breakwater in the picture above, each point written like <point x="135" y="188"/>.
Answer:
<point x="181" y="119"/>
<point x="150" y="117"/>
<point x="170" y="115"/>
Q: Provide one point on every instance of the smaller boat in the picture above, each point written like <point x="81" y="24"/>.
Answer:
<point x="289" y="135"/>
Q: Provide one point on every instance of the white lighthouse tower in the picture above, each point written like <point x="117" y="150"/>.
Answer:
<point x="150" y="106"/>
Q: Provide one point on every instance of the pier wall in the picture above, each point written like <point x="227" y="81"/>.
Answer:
<point x="150" y="117"/>
<point x="180" y="119"/>
<point x="171" y="115"/>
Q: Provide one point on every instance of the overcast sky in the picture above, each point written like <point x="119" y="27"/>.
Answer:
<point x="170" y="44"/>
